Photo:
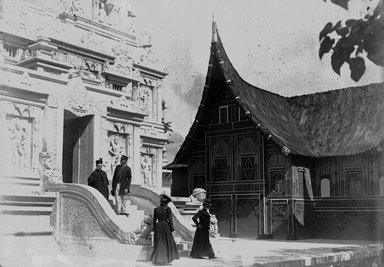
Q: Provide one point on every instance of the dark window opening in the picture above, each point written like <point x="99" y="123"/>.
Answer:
<point x="223" y="114"/>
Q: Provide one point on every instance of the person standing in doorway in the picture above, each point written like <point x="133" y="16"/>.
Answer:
<point x="164" y="245"/>
<point x="120" y="185"/>
<point x="98" y="179"/>
<point x="201" y="246"/>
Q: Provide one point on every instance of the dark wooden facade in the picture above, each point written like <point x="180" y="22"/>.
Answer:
<point x="266" y="177"/>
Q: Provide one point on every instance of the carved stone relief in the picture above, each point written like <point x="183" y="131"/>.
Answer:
<point x="79" y="102"/>
<point x="125" y="104"/>
<point x="49" y="171"/>
<point x="119" y="142"/>
<point x="21" y="135"/>
<point x="148" y="163"/>
<point x="123" y="63"/>
<point x="145" y="97"/>
<point x="146" y="170"/>
<point x="72" y="7"/>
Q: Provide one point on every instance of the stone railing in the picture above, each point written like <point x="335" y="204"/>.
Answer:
<point x="82" y="215"/>
<point x="147" y="199"/>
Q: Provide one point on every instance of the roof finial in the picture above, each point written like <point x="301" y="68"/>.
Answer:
<point x="214" y="29"/>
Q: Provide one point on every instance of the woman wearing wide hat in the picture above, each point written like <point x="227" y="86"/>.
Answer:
<point x="164" y="246"/>
<point x="201" y="246"/>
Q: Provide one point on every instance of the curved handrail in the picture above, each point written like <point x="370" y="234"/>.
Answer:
<point x="182" y="226"/>
<point x="99" y="206"/>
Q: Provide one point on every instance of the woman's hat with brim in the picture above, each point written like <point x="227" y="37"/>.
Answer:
<point x="207" y="202"/>
<point x="165" y="196"/>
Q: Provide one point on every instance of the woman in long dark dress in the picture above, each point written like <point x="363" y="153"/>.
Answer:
<point x="164" y="246"/>
<point x="201" y="246"/>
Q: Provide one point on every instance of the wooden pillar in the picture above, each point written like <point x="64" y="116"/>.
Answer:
<point x="292" y="224"/>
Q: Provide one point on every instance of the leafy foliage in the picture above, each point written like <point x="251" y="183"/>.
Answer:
<point x="353" y="38"/>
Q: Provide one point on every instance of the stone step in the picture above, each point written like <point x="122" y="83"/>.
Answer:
<point x="29" y="198"/>
<point x="25" y="225"/>
<point x="24" y="203"/>
<point x="20" y="189"/>
<point x="25" y="210"/>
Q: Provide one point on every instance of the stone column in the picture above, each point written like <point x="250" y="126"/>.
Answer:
<point x="136" y="168"/>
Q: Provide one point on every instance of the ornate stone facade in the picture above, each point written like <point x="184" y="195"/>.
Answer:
<point x="84" y="93"/>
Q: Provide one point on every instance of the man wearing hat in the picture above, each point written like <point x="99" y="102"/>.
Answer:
<point x="98" y="179"/>
<point x="120" y="185"/>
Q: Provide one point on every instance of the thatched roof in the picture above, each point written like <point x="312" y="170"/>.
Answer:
<point x="333" y="123"/>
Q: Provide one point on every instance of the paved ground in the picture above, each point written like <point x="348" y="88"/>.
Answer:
<point x="41" y="251"/>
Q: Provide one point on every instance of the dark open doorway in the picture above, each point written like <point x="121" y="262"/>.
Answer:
<point x="77" y="148"/>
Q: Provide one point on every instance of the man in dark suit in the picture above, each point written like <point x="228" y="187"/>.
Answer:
<point x="120" y="185"/>
<point x="98" y="179"/>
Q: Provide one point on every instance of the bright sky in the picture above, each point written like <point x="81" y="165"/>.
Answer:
<point x="272" y="43"/>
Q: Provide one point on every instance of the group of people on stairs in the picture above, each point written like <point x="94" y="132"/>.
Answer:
<point x="164" y="245"/>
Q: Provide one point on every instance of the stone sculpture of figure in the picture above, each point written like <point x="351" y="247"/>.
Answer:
<point x="198" y="195"/>
<point x="18" y="137"/>
<point x="115" y="151"/>
<point x="143" y="235"/>
<point x="146" y="170"/>
<point x="144" y="98"/>
<point x="213" y="227"/>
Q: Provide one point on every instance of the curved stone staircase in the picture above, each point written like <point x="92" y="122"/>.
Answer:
<point x="80" y="220"/>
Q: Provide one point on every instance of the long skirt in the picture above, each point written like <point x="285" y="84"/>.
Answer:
<point x="201" y="246"/>
<point x="164" y="246"/>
